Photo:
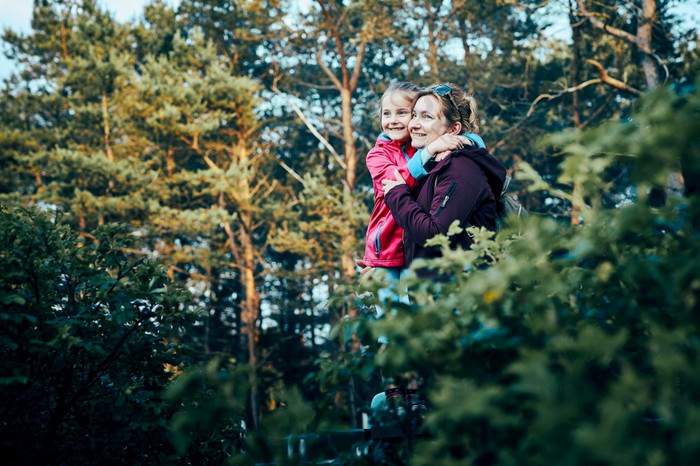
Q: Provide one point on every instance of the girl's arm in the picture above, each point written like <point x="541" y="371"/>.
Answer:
<point x="416" y="166"/>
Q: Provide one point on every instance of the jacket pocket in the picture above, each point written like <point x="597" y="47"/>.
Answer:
<point x="377" y="242"/>
<point x="450" y="192"/>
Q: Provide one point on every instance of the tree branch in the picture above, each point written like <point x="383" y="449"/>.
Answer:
<point x="308" y="124"/>
<point x="294" y="174"/>
<point x="597" y="113"/>
<point x="358" y="64"/>
<point x="611" y="30"/>
<point x="568" y="90"/>
<point x="332" y="27"/>
<point x="319" y="59"/>
<point x="604" y="77"/>
<point x="535" y="102"/>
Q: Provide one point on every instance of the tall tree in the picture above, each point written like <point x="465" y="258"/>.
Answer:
<point x="642" y="31"/>
<point x="240" y="30"/>
<point x="645" y="16"/>
<point x="73" y="66"/>
<point x="200" y="121"/>
<point x="182" y="167"/>
<point x="333" y="39"/>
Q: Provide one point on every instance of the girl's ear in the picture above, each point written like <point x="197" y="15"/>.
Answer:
<point x="456" y="128"/>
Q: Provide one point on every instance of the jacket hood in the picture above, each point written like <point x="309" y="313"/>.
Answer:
<point x="492" y="167"/>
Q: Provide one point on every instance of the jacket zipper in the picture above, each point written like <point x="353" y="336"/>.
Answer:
<point x="450" y="191"/>
<point x="377" y="243"/>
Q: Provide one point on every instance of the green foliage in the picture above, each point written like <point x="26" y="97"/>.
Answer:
<point x="85" y="339"/>
<point x="211" y="429"/>
<point x="171" y="126"/>
<point x="210" y="426"/>
<point x="319" y="223"/>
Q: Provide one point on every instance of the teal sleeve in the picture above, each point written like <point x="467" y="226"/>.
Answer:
<point x="476" y="139"/>
<point x="416" y="166"/>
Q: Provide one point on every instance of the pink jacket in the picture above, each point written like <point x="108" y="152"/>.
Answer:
<point x="384" y="241"/>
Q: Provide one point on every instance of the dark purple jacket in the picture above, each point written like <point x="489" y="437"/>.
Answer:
<point x="460" y="187"/>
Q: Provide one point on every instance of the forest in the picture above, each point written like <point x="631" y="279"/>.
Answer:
<point x="184" y="199"/>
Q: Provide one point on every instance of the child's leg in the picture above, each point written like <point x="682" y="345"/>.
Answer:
<point x="388" y="294"/>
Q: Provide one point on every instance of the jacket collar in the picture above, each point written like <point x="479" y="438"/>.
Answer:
<point x="441" y="164"/>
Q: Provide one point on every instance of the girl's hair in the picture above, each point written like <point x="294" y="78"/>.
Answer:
<point x="455" y="104"/>
<point x="408" y="90"/>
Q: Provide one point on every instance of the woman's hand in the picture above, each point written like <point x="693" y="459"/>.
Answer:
<point x="388" y="184"/>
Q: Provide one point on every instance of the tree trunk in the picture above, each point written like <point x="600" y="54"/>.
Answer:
<point x="170" y="161"/>
<point x="575" y="62"/>
<point x="105" y="122"/>
<point x="349" y="150"/>
<point x="347" y="263"/>
<point x="575" y="209"/>
<point x="467" y="53"/>
<point x="647" y="20"/>
<point x="251" y="300"/>
<point x="251" y="310"/>
<point x="432" y="47"/>
<point x="64" y="39"/>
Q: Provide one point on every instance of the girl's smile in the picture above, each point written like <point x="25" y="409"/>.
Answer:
<point x="396" y="114"/>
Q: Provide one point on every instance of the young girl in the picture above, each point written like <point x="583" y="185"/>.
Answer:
<point x="393" y="150"/>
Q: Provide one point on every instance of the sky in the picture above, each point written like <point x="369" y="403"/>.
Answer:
<point x="17" y="14"/>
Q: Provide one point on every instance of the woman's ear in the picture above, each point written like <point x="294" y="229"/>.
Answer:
<point x="456" y="128"/>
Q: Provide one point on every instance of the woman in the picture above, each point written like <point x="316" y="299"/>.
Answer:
<point x="462" y="186"/>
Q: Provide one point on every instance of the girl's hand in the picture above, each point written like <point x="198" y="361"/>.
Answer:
<point x="388" y="184"/>
<point x="448" y="142"/>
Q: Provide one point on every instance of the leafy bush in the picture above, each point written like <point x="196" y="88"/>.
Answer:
<point x="86" y="335"/>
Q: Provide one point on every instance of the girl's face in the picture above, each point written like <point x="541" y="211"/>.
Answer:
<point x="426" y="125"/>
<point x="396" y="114"/>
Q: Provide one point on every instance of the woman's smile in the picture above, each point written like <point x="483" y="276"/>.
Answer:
<point x="427" y="124"/>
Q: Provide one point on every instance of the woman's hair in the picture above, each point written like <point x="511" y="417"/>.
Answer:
<point x="455" y="104"/>
<point x="408" y="90"/>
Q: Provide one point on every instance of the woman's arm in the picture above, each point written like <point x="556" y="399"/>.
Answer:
<point x="455" y="198"/>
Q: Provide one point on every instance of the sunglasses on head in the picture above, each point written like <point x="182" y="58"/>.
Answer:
<point x="444" y="90"/>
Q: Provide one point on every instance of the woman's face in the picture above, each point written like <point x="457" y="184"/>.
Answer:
<point x="426" y="126"/>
